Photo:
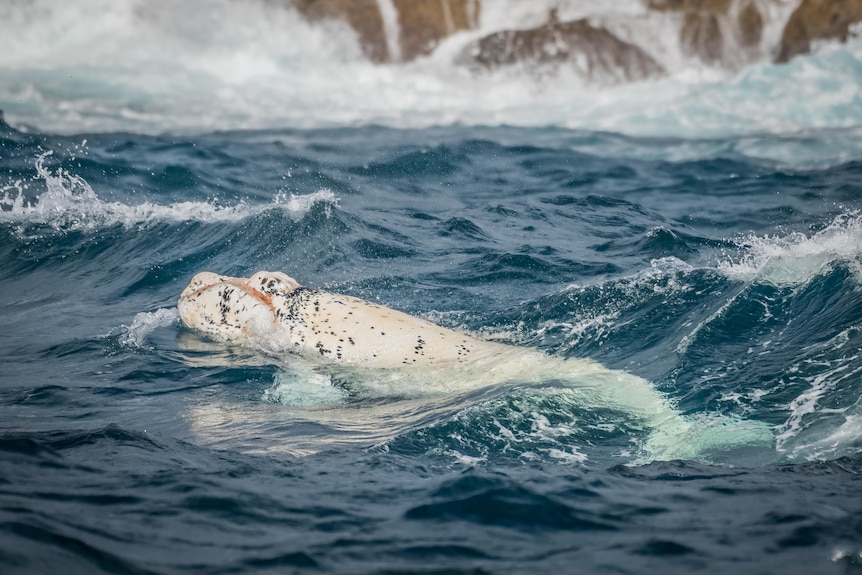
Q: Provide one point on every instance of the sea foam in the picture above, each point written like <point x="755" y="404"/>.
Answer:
<point x="69" y="203"/>
<point x="797" y="258"/>
<point x="208" y="65"/>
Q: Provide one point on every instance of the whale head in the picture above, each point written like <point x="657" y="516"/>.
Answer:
<point x="230" y="308"/>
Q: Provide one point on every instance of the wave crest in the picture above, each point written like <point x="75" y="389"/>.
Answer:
<point x="69" y="203"/>
<point x="797" y="258"/>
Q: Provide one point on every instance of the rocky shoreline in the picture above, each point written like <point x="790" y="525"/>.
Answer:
<point x="721" y="33"/>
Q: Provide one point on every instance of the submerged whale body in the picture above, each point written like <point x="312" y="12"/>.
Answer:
<point x="406" y="355"/>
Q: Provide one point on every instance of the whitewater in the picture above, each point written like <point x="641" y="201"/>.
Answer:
<point x="253" y="65"/>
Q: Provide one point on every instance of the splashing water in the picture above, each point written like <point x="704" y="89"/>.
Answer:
<point x="70" y="204"/>
<point x="157" y="68"/>
<point x="793" y="260"/>
<point x="134" y="336"/>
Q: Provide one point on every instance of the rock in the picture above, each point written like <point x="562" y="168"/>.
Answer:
<point x="424" y="23"/>
<point x="421" y="24"/>
<point x="705" y="23"/>
<point x="691" y="6"/>
<point x="750" y="23"/>
<point x="701" y="34"/>
<point x="594" y="51"/>
<point x="817" y="20"/>
<point x="362" y="15"/>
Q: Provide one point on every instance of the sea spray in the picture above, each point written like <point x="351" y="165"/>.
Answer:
<point x="69" y="203"/>
<point x="159" y="67"/>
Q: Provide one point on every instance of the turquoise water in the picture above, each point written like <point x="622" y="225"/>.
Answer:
<point x="699" y="236"/>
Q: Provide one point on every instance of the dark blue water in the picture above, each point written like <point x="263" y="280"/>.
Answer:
<point x="131" y="445"/>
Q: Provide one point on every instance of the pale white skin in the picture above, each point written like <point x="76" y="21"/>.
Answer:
<point x="273" y="313"/>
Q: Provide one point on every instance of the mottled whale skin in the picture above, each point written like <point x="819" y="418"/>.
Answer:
<point x="273" y="312"/>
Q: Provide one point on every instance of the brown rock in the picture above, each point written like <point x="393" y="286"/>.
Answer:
<point x="423" y="23"/>
<point x="362" y="15"/>
<point x="818" y="20"/>
<point x="691" y="6"/>
<point x="701" y="33"/>
<point x="597" y="52"/>
<point x="750" y="23"/>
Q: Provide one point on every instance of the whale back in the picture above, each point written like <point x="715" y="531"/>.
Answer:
<point x="273" y="312"/>
<point x="357" y="332"/>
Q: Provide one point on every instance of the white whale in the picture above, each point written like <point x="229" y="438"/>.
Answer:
<point x="277" y="313"/>
<point x="396" y="353"/>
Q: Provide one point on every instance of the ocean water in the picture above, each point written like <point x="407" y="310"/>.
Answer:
<point x="700" y="232"/>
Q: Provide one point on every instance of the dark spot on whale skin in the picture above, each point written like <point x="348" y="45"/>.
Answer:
<point x="224" y="303"/>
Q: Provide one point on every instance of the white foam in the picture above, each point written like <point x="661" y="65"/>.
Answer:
<point x="299" y="204"/>
<point x="841" y="441"/>
<point x="467" y="460"/>
<point x="572" y="456"/>
<point x="596" y="326"/>
<point x="69" y="203"/>
<point x="810" y="430"/>
<point x="304" y="388"/>
<point x="135" y="335"/>
<point x="541" y="432"/>
<point x="795" y="259"/>
<point x="154" y="66"/>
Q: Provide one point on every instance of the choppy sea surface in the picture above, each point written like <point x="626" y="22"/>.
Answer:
<point x="711" y="250"/>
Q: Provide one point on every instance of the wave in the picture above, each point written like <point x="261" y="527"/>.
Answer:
<point x="797" y="258"/>
<point x="788" y="262"/>
<point x="203" y="66"/>
<point x="69" y="203"/>
<point x="765" y="327"/>
<point x="781" y="347"/>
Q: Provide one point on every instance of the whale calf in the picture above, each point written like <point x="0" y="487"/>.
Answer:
<point x="273" y="313"/>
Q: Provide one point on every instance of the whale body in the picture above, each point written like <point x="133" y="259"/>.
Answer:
<point x="273" y="313"/>
<point x="280" y="316"/>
